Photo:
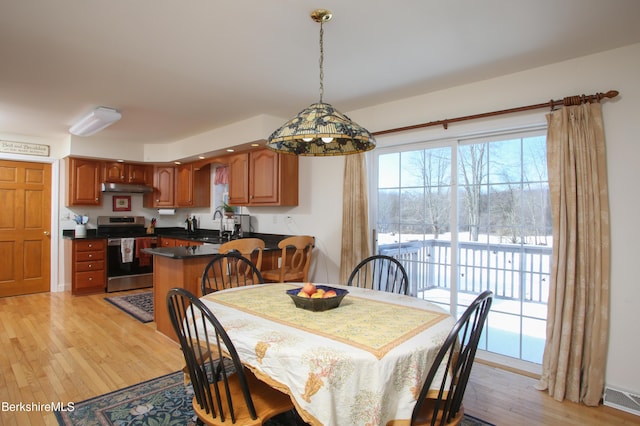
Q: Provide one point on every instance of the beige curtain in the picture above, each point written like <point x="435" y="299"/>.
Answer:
<point x="355" y="220"/>
<point x="578" y="310"/>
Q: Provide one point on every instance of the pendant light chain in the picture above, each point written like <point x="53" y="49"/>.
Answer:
<point x="321" y="61"/>
<point x="320" y="129"/>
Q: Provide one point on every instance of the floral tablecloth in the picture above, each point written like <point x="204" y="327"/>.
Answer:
<point x="359" y="364"/>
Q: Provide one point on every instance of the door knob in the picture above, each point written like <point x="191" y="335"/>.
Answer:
<point x="47" y="233"/>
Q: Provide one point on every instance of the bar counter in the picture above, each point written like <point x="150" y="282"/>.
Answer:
<point x="183" y="267"/>
<point x="186" y="252"/>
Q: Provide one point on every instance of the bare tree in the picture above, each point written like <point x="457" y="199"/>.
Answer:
<point x="538" y="208"/>
<point x="473" y="170"/>
<point x="505" y="210"/>
<point x="432" y="167"/>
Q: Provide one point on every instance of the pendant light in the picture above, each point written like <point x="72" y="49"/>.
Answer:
<point x="320" y="129"/>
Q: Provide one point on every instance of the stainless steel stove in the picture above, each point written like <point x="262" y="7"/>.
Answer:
<point x="127" y="267"/>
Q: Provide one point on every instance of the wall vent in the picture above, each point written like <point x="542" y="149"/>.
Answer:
<point x="622" y="400"/>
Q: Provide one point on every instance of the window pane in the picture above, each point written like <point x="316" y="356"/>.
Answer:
<point x="412" y="206"/>
<point x="388" y="211"/>
<point x="389" y="170"/>
<point x="534" y="159"/>
<point x="505" y="160"/>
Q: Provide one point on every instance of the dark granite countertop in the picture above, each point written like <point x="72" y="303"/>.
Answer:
<point x="202" y="235"/>
<point x="211" y="240"/>
<point x="184" y="252"/>
<point x="70" y="234"/>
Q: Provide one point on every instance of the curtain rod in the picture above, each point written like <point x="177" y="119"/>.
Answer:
<point x="569" y="100"/>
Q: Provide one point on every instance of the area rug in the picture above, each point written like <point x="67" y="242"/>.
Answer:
<point x="138" y="305"/>
<point x="161" y="401"/>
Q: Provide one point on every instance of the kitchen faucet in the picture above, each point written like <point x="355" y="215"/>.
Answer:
<point x="219" y="210"/>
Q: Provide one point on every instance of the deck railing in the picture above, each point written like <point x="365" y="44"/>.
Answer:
<point x="511" y="271"/>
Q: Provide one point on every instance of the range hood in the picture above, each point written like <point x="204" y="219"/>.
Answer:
<point x="126" y="187"/>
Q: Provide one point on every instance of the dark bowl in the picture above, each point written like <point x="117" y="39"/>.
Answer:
<point x="318" y="304"/>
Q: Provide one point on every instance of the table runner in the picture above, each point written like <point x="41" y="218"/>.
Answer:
<point x="371" y="325"/>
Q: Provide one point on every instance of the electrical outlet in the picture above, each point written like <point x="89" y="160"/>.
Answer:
<point x="275" y="218"/>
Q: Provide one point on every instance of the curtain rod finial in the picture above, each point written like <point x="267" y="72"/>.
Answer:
<point x="611" y="94"/>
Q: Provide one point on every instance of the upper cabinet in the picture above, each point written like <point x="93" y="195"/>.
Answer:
<point x="163" y="194"/>
<point x="263" y="178"/>
<point x="193" y="185"/>
<point x="239" y="179"/>
<point x="186" y="185"/>
<point x="118" y="172"/>
<point x="85" y="177"/>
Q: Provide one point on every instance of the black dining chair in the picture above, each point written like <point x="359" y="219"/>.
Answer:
<point x="229" y="270"/>
<point x="443" y="406"/>
<point x="380" y="272"/>
<point x="224" y="391"/>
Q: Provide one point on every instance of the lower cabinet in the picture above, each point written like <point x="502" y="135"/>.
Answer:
<point x="177" y="242"/>
<point x="89" y="272"/>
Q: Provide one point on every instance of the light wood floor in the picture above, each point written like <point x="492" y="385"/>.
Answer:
<point x="55" y="347"/>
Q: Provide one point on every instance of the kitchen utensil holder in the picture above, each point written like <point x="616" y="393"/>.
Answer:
<point x="81" y="231"/>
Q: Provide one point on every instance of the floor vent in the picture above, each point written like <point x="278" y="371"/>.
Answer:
<point x="622" y="400"/>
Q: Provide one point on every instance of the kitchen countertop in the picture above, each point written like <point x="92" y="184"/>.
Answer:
<point x="187" y="252"/>
<point x="202" y="235"/>
<point x="208" y="237"/>
<point x="211" y="246"/>
<point x="70" y="234"/>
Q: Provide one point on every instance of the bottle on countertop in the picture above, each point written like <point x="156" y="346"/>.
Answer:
<point x="194" y="224"/>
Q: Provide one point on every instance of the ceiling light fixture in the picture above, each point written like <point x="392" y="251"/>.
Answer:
<point x="95" y="121"/>
<point x="320" y="129"/>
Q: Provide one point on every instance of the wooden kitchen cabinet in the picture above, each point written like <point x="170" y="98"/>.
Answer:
<point x="166" y="242"/>
<point x="188" y="243"/>
<point x="88" y="264"/>
<point x="177" y="242"/>
<point x="263" y="178"/>
<point x="84" y="182"/>
<point x="193" y="185"/>
<point x="239" y="179"/>
<point x="163" y="194"/>
<point x="118" y="172"/>
<point x="186" y="185"/>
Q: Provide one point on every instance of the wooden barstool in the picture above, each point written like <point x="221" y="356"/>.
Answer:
<point x="295" y="260"/>
<point x="246" y="247"/>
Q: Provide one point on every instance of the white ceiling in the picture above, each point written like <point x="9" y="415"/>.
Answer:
<point x="178" y="68"/>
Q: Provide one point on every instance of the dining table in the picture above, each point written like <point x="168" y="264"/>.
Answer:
<point x="362" y="363"/>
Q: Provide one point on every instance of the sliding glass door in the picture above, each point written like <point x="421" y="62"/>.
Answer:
<point x="472" y="215"/>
